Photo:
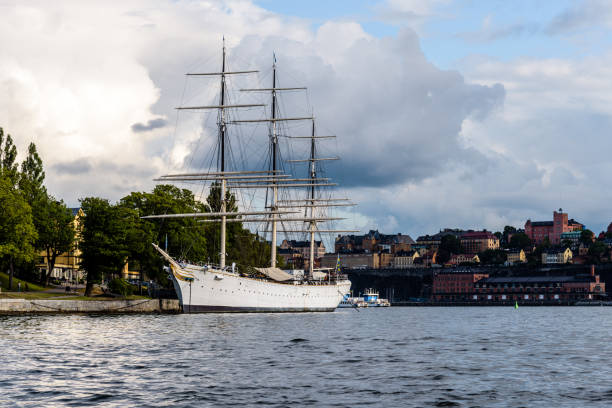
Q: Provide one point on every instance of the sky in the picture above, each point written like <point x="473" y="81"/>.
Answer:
<point x="448" y="113"/>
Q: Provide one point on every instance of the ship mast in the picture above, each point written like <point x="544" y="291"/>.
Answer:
<point x="313" y="176"/>
<point x="274" y="141"/>
<point x="222" y="129"/>
<point x="273" y="178"/>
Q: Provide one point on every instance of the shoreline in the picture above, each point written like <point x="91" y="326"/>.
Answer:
<point x="505" y="304"/>
<point x="67" y="306"/>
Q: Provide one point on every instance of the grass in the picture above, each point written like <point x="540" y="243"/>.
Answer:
<point x="28" y="295"/>
<point x="31" y="286"/>
<point x="61" y="296"/>
<point x="131" y="297"/>
<point x="38" y="292"/>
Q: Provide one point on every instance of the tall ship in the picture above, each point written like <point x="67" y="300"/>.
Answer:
<point x="293" y="199"/>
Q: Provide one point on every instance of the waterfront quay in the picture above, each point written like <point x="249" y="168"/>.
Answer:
<point x="61" y="306"/>
<point x="486" y="286"/>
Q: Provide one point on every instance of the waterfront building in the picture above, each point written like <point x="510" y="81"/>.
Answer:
<point x="405" y="259"/>
<point x="583" y="249"/>
<point x="421" y="249"/>
<point x="373" y="241"/>
<point x="433" y="241"/>
<point x="461" y="259"/>
<point x="427" y="260"/>
<point x="539" y="288"/>
<point x="455" y="285"/>
<point x="478" y="241"/>
<point x="304" y="247"/>
<point x="292" y="257"/>
<point x="538" y="231"/>
<point x="67" y="263"/>
<point x="359" y="260"/>
<point x="557" y="256"/>
<point x="515" y="256"/>
<point x="571" y="236"/>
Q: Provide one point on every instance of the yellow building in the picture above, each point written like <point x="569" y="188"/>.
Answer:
<point x="405" y="259"/>
<point x="557" y="256"/>
<point x="67" y="263"/>
<point x="516" y="256"/>
<point x="459" y="259"/>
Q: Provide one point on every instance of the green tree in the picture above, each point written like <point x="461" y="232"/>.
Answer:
<point x="186" y="237"/>
<point x="449" y="245"/>
<point x="32" y="176"/>
<point x="493" y="257"/>
<point x="214" y="199"/>
<point x="586" y="237"/>
<point x="103" y="243"/>
<point x="519" y="241"/>
<point x="55" y="231"/>
<point x="508" y="229"/>
<point x="596" y="250"/>
<point x="17" y="232"/>
<point x="8" y="157"/>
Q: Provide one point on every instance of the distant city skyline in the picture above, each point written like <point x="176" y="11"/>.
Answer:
<point x="448" y="113"/>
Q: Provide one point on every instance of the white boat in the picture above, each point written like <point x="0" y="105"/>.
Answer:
<point x="222" y="288"/>
<point x="370" y="297"/>
<point x="350" y="302"/>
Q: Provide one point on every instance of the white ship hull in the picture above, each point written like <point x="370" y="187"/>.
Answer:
<point x="201" y="289"/>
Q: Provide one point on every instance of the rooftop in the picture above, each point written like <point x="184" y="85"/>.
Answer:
<point x="539" y="279"/>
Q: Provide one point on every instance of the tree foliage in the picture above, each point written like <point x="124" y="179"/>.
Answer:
<point x="56" y="231"/>
<point x="449" y="245"/>
<point x="104" y="239"/>
<point x="493" y="257"/>
<point x="8" y="157"/>
<point x="519" y="241"/>
<point x="586" y="237"/>
<point x="17" y="232"/>
<point x="32" y="176"/>
<point x="596" y="250"/>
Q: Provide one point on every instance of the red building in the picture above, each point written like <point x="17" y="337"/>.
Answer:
<point x="538" y="231"/>
<point x="539" y="288"/>
<point x="459" y="285"/>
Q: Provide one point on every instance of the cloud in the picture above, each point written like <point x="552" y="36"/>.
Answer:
<point x="553" y="135"/>
<point x="396" y="115"/>
<point x="406" y="12"/>
<point x="422" y="148"/>
<point x="585" y="14"/>
<point x="78" y="166"/>
<point x="489" y="34"/>
<point x="150" y="125"/>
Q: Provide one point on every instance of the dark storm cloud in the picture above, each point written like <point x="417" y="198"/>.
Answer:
<point x="398" y="116"/>
<point x="151" y="125"/>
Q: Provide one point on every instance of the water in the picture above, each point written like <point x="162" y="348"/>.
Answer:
<point x="467" y="357"/>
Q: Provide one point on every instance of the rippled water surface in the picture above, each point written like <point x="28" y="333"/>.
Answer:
<point x="472" y="357"/>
